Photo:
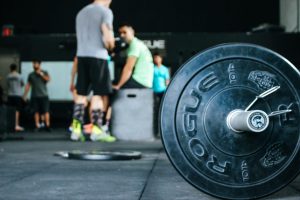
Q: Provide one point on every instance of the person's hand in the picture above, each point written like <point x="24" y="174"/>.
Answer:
<point x="24" y="98"/>
<point x="72" y="87"/>
<point x="112" y="54"/>
<point x="116" y="87"/>
<point x="40" y="73"/>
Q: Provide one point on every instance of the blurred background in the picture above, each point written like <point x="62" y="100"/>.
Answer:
<point x="45" y="30"/>
<point x="57" y="16"/>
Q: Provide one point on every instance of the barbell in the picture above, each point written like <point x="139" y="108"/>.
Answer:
<point x="229" y="121"/>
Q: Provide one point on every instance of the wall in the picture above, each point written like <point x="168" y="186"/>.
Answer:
<point x="289" y="15"/>
<point x="57" y="16"/>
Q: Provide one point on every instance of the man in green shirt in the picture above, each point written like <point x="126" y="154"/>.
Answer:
<point x="138" y="69"/>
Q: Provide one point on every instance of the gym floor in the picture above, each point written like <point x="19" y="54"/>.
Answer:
<point x="29" y="170"/>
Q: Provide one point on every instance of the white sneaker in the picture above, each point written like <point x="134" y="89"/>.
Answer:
<point x="19" y="128"/>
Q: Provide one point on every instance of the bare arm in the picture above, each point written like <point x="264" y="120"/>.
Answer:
<point x="27" y="88"/>
<point x="167" y="81"/>
<point x="44" y="76"/>
<point x="126" y="72"/>
<point x="108" y="37"/>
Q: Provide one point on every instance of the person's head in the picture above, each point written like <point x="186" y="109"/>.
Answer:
<point x="157" y="59"/>
<point x="13" y="67"/>
<point x="126" y="32"/>
<point x="105" y="3"/>
<point x="36" y="64"/>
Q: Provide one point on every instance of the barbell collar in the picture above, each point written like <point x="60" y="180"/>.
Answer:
<point x="247" y="121"/>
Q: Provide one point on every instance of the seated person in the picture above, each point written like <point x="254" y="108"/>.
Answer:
<point x="138" y="69"/>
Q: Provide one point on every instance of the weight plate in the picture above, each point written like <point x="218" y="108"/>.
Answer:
<point x="104" y="155"/>
<point x="197" y="139"/>
<point x="63" y="154"/>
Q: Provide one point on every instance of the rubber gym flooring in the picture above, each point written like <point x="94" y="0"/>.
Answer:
<point x="29" y="170"/>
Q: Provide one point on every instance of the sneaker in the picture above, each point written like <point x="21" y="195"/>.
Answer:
<point x="88" y="128"/>
<point x="70" y="128"/>
<point x="42" y="125"/>
<point x="105" y="129"/>
<point x="76" y="131"/>
<point x="19" y="128"/>
<point x="99" y="135"/>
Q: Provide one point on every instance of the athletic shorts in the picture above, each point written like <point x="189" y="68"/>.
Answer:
<point x="131" y="83"/>
<point x="40" y="104"/>
<point x="93" y="74"/>
<point x="15" y="101"/>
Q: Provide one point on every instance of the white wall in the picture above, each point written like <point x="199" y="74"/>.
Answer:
<point x="289" y="15"/>
<point x="60" y="73"/>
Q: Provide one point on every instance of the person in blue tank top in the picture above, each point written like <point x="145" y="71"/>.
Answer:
<point x="161" y="76"/>
<point x="161" y="79"/>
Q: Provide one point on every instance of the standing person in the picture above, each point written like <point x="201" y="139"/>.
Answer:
<point x="161" y="79"/>
<point x="87" y="127"/>
<point x="138" y="69"/>
<point x="15" y="85"/>
<point x="94" y="32"/>
<point x="37" y="82"/>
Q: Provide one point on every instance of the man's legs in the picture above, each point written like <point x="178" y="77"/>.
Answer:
<point x="96" y="110"/>
<point x="80" y="99"/>
<point x="106" y="120"/>
<point x="45" y="115"/>
<point x="105" y="100"/>
<point x="98" y="134"/>
<point x="78" y="118"/>
<point x="101" y="85"/>
<point x="91" y="72"/>
<point x="16" y="102"/>
<point x="37" y="120"/>
<point x="42" y="119"/>
<point x="157" y="101"/>
<point x="47" y="120"/>
<point x="35" y="107"/>
<point x="17" y="119"/>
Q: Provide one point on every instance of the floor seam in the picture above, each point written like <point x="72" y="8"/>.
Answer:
<point x="150" y="173"/>
<point x="294" y="188"/>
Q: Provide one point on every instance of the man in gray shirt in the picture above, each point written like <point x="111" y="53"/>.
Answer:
<point x="15" y="90"/>
<point x="37" y="81"/>
<point x="94" y="32"/>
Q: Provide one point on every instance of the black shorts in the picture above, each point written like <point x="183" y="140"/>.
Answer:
<point x="131" y="83"/>
<point x="93" y="74"/>
<point x="40" y="104"/>
<point x="15" y="101"/>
